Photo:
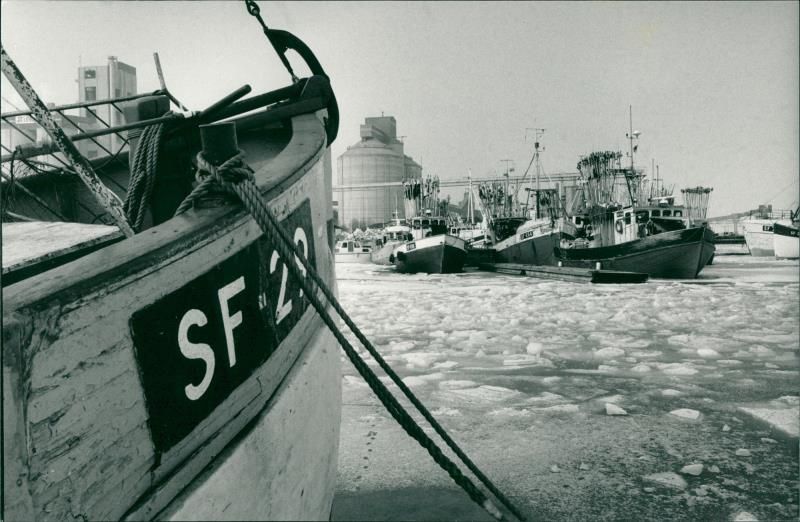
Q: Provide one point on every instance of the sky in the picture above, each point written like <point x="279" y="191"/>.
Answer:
<point x="713" y="86"/>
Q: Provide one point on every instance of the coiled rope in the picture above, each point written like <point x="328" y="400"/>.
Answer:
<point x="143" y="175"/>
<point x="235" y="176"/>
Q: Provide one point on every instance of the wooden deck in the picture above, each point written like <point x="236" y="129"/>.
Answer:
<point x="35" y="246"/>
<point x="581" y="275"/>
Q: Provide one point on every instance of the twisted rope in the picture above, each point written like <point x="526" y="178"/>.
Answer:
<point x="236" y="176"/>
<point x="143" y="175"/>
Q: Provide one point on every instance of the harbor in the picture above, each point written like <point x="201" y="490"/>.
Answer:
<point x="362" y="262"/>
<point x="601" y="402"/>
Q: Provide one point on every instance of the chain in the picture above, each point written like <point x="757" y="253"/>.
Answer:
<point x="254" y="10"/>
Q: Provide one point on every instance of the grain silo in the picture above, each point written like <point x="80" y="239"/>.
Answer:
<point x="368" y="184"/>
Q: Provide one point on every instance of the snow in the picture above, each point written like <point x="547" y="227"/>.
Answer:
<point x="522" y="369"/>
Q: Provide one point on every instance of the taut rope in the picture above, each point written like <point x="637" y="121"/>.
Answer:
<point x="235" y="176"/>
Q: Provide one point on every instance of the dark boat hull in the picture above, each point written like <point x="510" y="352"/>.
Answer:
<point x="445" y="257"/>
<point x="679" y="254"/>
<point x="539" y="250"/>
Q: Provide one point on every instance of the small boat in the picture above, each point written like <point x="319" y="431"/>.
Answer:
<point x="352" y="251"/>
<point x="432" y="250"/>
<point x="176" y="373"/>
<point x="787" y="238"/>
<point x="392" y="236"/>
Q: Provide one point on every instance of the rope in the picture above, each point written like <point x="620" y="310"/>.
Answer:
<point x="235" y="176"/>
<point x="254" y="10"/>
<point x="143" y="175"/>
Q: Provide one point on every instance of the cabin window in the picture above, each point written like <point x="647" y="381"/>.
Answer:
<point x="627" y="218"/>
<point x="677" y="213"/>
<point x="349" y="246"/>
<point x="641" y="216"/>
<point x="655" y="213"/>
<point x="578" y="221"/>
<point x="425" y="222"/>
<point x="666" y="213"/>
<point x="89" y="73"/>
<point x="90" y="93"/>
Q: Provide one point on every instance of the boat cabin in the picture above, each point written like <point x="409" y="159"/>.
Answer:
<point x="424" y="226"/>
<point x="350" y="246"/>
<point x="636" y="222"/>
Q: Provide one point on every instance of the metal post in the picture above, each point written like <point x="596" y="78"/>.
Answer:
<point x="107" y="199"/>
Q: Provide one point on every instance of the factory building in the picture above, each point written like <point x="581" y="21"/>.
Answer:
<point x="105" y="82"/>
<point x="368" y="183"/>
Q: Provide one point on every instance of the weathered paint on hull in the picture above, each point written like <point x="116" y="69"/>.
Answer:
<point x="535" y="251"/>
<point x="439" y="259"/>
<point x="283" y="467"/>
<point x="78" y="420"/>
<point x="680" y="254"/>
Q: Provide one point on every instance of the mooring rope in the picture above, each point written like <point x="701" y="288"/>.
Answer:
<point x="143" y="175"/>
<point x="235" y="176"/>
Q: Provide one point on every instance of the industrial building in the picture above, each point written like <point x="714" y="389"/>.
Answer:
<point x="367" y="186"/>
<point x="104" y="82"/>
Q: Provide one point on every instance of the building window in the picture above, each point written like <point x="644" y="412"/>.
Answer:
<point x="89" y="74"/>
<point x="90" y="93"/>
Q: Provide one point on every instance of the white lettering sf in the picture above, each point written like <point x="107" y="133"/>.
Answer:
<point x="192" y="350"/>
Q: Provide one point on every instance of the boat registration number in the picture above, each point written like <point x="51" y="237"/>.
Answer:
<point x="410" y="247"/>
<point x="197" y="344"/>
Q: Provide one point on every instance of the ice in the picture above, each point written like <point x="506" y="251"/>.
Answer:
<point x="421" y="359"/>
<point x="402" y="346"/>
<point x="707" y="352"/>
<point x="445" y="412"/>
<point x="609" y="353"/>
<point x="677" y="369"/>
<point x="509" y="412"/>
<point x="457" y="385"/>
<point x="446" y="365"/>
<point x="481" y="395"/>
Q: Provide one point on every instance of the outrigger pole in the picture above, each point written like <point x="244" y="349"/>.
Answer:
<point x="107" y="199"/>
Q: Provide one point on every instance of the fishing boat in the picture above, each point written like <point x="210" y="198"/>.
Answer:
<point x="167" y="367"/>
<point x="624" y="229"/>
<point x="524" y="233"/>
<point x="759" y="230"/>
<point x="432" y="249"/>
<point x="787" y="239"/>
<point x="392" y="236"/>
<point x="352" y="251"/>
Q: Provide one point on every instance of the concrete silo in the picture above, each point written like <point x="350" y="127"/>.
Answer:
<point x="368" y="184"/>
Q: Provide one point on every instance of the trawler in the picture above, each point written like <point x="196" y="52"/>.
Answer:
<point x="159" y="362"/>
<point x="623" y="229"/>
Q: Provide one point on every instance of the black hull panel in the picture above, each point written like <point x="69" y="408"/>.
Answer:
<point x="439" y="259"/>
<point x="680" y="254"/>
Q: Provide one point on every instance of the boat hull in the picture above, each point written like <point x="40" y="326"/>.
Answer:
<point x="106" y="415"/>
<point x="441" y="254"/>
<point x="758" y="235"/>
<point x="536" y="250"/>
<point x="786" y="241"/>
<point x="679" y="254"/>
<point x="354" y="257"/>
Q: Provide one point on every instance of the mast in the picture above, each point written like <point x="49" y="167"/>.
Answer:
<point x="631" y="136"/>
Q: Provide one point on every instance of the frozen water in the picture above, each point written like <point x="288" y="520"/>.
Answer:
<point x="521" y="369"/>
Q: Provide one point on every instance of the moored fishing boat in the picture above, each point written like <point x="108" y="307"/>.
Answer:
<point x="432" y="250"/>
<point x="392" y="236"/>
<point x="177" y="373"/>
<point x="787" y="239"/>
<point x="619" y="232"/>
<point x="759" y="230"/>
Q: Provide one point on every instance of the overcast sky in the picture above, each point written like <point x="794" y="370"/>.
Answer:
<point x="714" y="86"/>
